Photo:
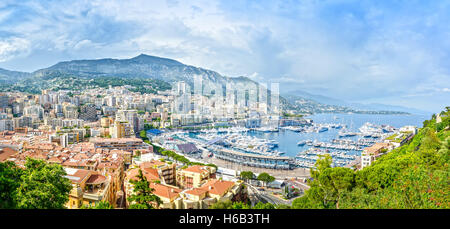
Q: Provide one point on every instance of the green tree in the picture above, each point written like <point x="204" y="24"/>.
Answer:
<point x="138" y="153"/>
<point x="246" y="175"/>
<point x="240" y="205"/>
<point x="99" y="205"/>
<point x="327" y="185"/>
<point x="143" y="197"/>
<point x="9" y="182"/>
<point x="143" y="135"/>
<point x="43" y="186"/>
<point x="334" y="181"/>
<point x="283" y="206"/>
<point x="228" y="204"/>
<point x="265" y="178"/>
<point x="261" y="205"/>
<point x="430" y="140"/>
<point x="212" y="165"/>
<point x="222" y="205"/>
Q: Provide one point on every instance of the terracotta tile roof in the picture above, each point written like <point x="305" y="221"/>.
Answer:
<point x="55" y="160"/>
<point x="44" y="146"/>
<point x="144" y="151"/>
<point x="118" y="151"/>
<point x="96" y="179"/>
<point x="115" y="140"/>
<point x="150" y="174"/>
<point x="197" y="169"/>
<point x="102" y="165"/>
<point x="81" y="156"/>
<point x="217" y="187"/>
<point x="376" y="147"/>
<point x="151" y="164"/>
<point x="76" y="175"/>
<point x="196" y="191"/>
<point x="165" y="191"/>
<point x="6" y="152"/>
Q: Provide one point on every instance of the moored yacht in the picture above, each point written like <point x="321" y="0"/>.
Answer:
<point x="301" y="143"/>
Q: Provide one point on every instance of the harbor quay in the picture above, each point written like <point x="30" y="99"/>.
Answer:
<point x="279" y="174"/>
<point x="259" y="161"/>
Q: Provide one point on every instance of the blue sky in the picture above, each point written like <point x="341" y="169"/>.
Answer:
<point x="393" y="52"/>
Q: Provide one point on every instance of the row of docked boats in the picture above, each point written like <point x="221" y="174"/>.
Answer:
<point x="267" y="129"/>
<point x="304" y="164"/>
<point x="340" y="146"/>
<point x="362" y="142"/>
<point x="317" y="152"/>
<point x="310" y="156"/>
<point x="236" y="129"/>
<point x="246" y="143"/>
<point x="314" y="128"/>
<point x="368" y="130"/>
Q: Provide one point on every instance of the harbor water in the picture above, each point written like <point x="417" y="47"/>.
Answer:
<point x="287" y="140"/>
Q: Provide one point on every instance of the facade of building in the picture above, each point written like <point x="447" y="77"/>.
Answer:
<point x="89" y="188"/>
<point x="370" y="154"/>
<point x="117" y="130"/>
<point x="194" y="176"/>
<point x="88" y="112"/>
<point x="129" y="144"/>
<point x="211" y="192"/>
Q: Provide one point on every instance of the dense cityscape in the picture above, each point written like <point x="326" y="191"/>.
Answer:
<point x="104" y="141"/>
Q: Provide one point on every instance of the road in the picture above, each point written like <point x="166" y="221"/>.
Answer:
<point x="264" y="196"/>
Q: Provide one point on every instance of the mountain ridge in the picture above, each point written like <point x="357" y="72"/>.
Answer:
<point x="10" y="76"/>
<point x="139" y="66"/>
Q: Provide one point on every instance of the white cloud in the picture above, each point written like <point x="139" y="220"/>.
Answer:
<point x="357" y="50"/>
<point x="13" y="47"/>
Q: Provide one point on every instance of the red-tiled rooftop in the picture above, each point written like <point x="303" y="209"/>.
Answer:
<point x="151" y="164"/>
<point x="376" y="147"/>
<point x="165" y="191"/>
<point x="6" y="152"/>
<point x="76" y="175"/>
<point x="217" y="187"/>
<point x="96" y="179"/>
<point x="196" y="169"/>
<point x="149" y="173"/>
<point x="55" y="160"/>
<point x="121" y="140"/>
<point x="195" y="191"/>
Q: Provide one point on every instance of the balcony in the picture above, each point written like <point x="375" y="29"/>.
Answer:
<point x="96" y="187"/>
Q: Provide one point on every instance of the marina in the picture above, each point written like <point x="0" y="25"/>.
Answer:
<point x="290" y="147"/>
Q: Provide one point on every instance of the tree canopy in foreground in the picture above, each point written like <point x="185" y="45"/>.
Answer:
<point x="39" y="185"/>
